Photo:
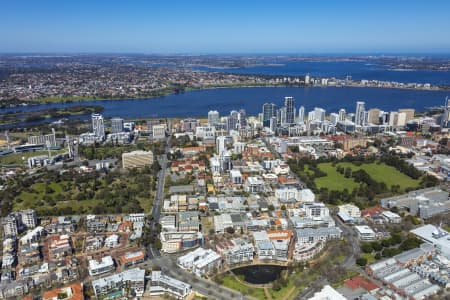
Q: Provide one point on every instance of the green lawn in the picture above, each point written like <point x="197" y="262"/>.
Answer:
<point x="370" y="257"/>
<point x="231" y="282"/>
<point x="379" y="172"/>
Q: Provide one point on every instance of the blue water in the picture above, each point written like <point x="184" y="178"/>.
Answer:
<point x="198" y="103"/>
<point x="357" y="70"/>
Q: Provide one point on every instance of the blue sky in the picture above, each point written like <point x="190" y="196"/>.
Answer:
<point x="225" y="26"/>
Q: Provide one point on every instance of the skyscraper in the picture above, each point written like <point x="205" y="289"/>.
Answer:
<point x="289" y="103"/>
<point x="446" y="114"/>
<point x="301" y="114"/>
<point x="269" y="111"/>
<point x="98" y="126"/>
<point x="374" y="116"/>
<point x="342" y="115"/>
<point x="242" y="118"/>
<point x="232" y="120"/>
<point x="213" y="117"/>
<point x="360" y="113"/>
<point x="116" y="125"/>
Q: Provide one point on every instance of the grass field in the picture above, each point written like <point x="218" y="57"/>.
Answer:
<point x="231" y="282"/>
<point x="379" y="172"/>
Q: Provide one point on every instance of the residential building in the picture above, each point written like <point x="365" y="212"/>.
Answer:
<point x="132" y="258"/>
<point x="350" y="209"/>
<point x="106" y="264"/>
<point x="161" y="284"/>
<point x="116" y="125"/>
<point x="158" y="132"/>
<point x="111" y="241"/>
<point x="126" y="284"/>
<point x="200" y="261"/>
<point x="71" y="292"/>
<point x="235" y="251"/>
<point x="365" y="233"/>
<point x="98" y="127"/>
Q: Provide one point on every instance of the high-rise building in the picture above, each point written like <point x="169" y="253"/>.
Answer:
<point x="242" y="118"/>
<point x="334" y="118"/>
<point x="269" y="111"/>
<point x="213" y="117"/>
<point x="342" y="115"/>
<point x="373" y="116"/>
<point x="446" y="114"/>
<point x="318" y="115"/>
<point x="232" y="120"/>
<point x="409" y="112"/>
<point x="301" y="114"/>
<point x="98" y="126"/>
<point x="220" y="144"/>
<point x="10" y="227"/>
<point x="116" y="125"/>
<point x="307" y="79"/>
<point x="360" y="113"/>
<point x="29" y="218"/>
<point x="289" y="103"/>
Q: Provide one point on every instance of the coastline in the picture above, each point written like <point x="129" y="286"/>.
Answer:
<point x="72" y="99"/>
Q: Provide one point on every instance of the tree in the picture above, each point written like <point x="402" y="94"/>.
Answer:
<point x="230" y="230"/>
<point x="361" y="261"/>
<point x="366" y="248"/>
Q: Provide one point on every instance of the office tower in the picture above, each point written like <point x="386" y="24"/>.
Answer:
<point x="269" y="111"/>
<point x="213" y="117"/>
<point x="373" y="116"/>
<point x="220" y="144"/>
<point x="342" y="115"/>
<point x="409" y="112"/>
<point x="232" y="120"/>
<point x="301" y="114"/>
<point x="273" y="124"/>
<point x="289" y="104"/>
<point x="242" y="118"/>
<point x="334" y="118"/>
<point x="98" y="126"/>
<point x="318" y="114"/>
<point x="401" y="119"/>
<point x="116" y="125"/>
<point x="446" y="114"/>
<point x="360" y="113"/>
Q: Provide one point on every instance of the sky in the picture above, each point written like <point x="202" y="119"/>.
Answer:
<point x="246" y="26"/>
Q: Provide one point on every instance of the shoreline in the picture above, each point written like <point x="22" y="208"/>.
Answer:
<point x="41" y="101"/>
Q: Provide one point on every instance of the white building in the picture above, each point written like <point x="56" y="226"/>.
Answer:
<point x="100" y="267"/>
<point x="235" y="251"/>
<point x="159" y="132"/>
<point x="161" y="284"/>
<point x="112" y="241"/>
<point x="254" y="184"/>
<point x="132" y="280"/>
<point x="350" y="209"/>
<point x="235" y="176"/>
<point x="365" y="233"/>
<point x="213" y="117"/>
<point x="200" y="261"/>
<point x="328" y="293"/>
<point x="98" y="127"/>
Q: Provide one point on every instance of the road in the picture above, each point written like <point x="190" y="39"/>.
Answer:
<point x="201" y="285"/>
<point x="159" y="198"/>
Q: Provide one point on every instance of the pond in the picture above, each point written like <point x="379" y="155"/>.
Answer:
<point x="260" y="274"/>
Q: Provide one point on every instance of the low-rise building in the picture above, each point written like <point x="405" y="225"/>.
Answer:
<point x="137" y="159"/>
<point x="128" y="283"/>
<point x="161" y="284"/>
<point x="365" y="233"/>
<point x="100" y="267"/>
<point x="181" y="240"/>
<point x="132" y="258"/>
<point x="71" y="292"/>
<point x="235" y="251"/>
<point x="200" y="261"/>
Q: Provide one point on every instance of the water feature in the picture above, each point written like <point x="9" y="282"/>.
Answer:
<point x="260" y="274"/>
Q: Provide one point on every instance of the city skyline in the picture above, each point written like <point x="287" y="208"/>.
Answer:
<point x="201" y="27"/>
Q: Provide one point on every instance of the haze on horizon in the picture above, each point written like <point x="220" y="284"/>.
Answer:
<point x="49" y="26"/>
